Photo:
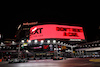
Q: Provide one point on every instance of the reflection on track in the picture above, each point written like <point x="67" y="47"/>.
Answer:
<point x="30" y="61"/>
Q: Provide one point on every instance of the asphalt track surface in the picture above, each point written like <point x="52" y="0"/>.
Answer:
<point x="70" y="62"/>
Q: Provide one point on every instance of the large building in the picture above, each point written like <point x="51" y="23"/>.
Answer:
<point x="89" y="49"/>
<point x="23" y="30"/>
<point x="49" y="39"/>
<point x="7" y="48"/>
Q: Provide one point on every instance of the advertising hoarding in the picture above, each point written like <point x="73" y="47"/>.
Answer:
<point x="56" y="31"/>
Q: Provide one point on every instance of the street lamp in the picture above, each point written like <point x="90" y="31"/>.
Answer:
<point x="48" y="41"/>
<point x="54" y="41"/>
<point x="19" y="52"/>
<point x="2" y="44"/>
<point x="35" y="41"/>
<point x="61" y="43"/>
<point x="64" y="44"/>
<point x="42" y="41"/>
<point x="58" y="42"/>
<point x="27" y="51"/>
<point x="22" y="41"/>
<point x="29" y="41"/>
<point x="13" y="43"/>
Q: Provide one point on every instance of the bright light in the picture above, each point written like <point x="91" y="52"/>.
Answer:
<point x="13" y="42"/>
<point x="21" y="45"/>
<point x="19" y="27"/>
<point x="42" y="41"/>
<point x="51" y="31"/>
<point x="25" y="44"/>
<point x="22" y="41"/>
<point x="48" y="41"/>
<point x="69" y="50"/>
<point x="75" y="39"/>
<point x="2" y="44"/>
<point x="54" y="48"/>
<point x="35" y="41"/>
<point x="27" y="51"/>
<point x="0" y="36"/>
<point x="29" y="41"/>
<point x="64" y="43"/>
<point x="34" y="29"/>
<point x="61" y="42"/>
<point x="59" y="48"/>
<point x="58" y="41"/>
<point x="54" y="41"/>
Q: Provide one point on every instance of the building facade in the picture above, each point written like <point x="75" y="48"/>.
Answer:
<point x="48" y="40"/>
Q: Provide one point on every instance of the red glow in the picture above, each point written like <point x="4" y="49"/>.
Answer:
<point x="15" y="35"/>
<point x="45" y="46"/>
<point x="56" y="31"/>
<point x="40" y="39"/>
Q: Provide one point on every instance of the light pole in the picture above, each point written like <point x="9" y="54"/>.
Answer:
<point x="19" y="53"/>
<point x="72" y="50"/>
<point x="2" y="44"/>
<point x="54" y="42"/>
<point x="57" y="47"/>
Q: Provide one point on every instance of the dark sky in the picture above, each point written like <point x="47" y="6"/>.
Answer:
<point x="88" y="19"/>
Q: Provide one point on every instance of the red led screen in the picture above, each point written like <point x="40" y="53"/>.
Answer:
<point x="56" y="31"/>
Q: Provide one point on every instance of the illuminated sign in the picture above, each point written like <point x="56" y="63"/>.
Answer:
<point x="75" y="39"/>
<point x="56" y="31"/>
<point x="32" y="23"/>
<point x="36" y="30"/>
<point x="45" y="46"/>
<point x="25" y="44"/>
<point x="64" y="47"/>
<point x="26" y="28"/>
<point x="37" y="47"/>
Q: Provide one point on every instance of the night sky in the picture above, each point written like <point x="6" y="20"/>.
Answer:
<point x="88" y="19"/>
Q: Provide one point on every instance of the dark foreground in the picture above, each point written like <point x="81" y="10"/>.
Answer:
<point x="70" y="62"/>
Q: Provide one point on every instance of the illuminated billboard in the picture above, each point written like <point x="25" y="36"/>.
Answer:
<point x="56" y="31"/>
